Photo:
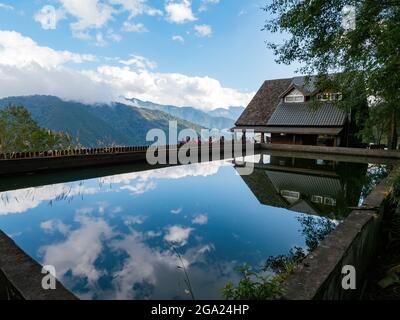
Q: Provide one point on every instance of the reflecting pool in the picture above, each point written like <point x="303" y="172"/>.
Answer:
<point x="129" y="235"/>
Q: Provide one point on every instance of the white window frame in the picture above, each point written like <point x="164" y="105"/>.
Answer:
<point x="329" y="201"/>
<point x="328" y="96"/>
<point x="295" y="96"/>
<point x="317" y="199"/>
<point x="295" y="195"/>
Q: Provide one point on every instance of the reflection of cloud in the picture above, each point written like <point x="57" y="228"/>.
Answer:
<point x="177" y="172"/>
<point x="153" y="234"/>
<point x="80" y="250"/>
<point x="51" y="226"/>
<point x="176" y="211"/>
<point x="102" y="206"/>
<point x="142" y="266"/>
<point x="146" y="272"/>
<point x="19" y="201"/>
<point x="140" y="187"/>
<point x="141" y="182"/>
<point x="151" y="273"/>
<point x="83" y="211"/>
<point x="200" y="219"/>
<point x="117" y="210"/>
<point x="178" y="235"/>
<point x="132" y="220"/>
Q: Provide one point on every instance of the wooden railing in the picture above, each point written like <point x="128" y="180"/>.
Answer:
<point x="71" y="152"/>
<point x="90" y="151"/>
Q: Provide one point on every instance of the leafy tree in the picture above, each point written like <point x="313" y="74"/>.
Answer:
<point x="19" y="133"/>
<point x="367" y="54"/>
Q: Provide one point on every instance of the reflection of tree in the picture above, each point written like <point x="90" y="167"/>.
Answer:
<point x="315" y="229"/>
<point x="254" y="285"/>
<point x="376" y="173"/>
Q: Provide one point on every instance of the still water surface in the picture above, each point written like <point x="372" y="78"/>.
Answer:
<point x="126" y="236"/>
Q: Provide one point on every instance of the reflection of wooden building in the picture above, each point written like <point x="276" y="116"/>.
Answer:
<point x="309" y="186"/>
<point x="282" y="108"/>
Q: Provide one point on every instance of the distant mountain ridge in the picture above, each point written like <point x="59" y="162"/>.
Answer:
<point x="232" y="113"/>
<point x="215" y="119"/>
<point x="99" y="124"/>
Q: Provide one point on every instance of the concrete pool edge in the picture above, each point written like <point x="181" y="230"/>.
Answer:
<point x="354" y="152"/>
<point x="353" y="242"/>
<point x="21" y="276"/>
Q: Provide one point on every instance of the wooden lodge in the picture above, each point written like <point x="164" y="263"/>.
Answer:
<point x="282" y="113"/>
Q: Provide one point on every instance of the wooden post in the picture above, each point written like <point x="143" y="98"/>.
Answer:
<point x="262" y="137"/>
<point x="244" y="137"/>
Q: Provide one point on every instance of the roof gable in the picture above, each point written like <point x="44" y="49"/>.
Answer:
<point x="264" y="103"/>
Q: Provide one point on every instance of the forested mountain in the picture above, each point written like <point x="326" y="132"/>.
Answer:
<point x="96" y="125"/>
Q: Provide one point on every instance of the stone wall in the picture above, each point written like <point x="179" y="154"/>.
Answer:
<point x="353" y="242"/>
<point x="21" y="276"/>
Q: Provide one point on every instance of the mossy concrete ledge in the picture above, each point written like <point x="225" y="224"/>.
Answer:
<point x="21" y="276"/>
<point x="353" y="242"/>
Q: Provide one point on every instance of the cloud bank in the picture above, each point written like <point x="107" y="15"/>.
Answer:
<point x="26" y="68"/>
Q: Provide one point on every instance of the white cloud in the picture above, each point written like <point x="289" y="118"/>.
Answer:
<point x="178" y="235"/>
<point x="20" y="51"/>
<point x="113" y="36"/>
<point x="89" y="13"/>
<point x="169" y="88"/>
<point x="6" y="6"/>
<point x="139" y="62"/>
<point x="205" y="3"/>
<point x="200" y="219"/>
<point x="134" y="27"/>
<point x="100" y="42"/>
<point x="137" y="7"/>
<point x="23" y="61"/>
<point x="178" y="39"/>
<point x="179" y="12"/>
<point x="203" y="30"/>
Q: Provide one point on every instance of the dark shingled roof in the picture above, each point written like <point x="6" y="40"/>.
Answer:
<point x="299" y="114"/>
<point x="264" y="103"/>
<point x="266" y="107"/>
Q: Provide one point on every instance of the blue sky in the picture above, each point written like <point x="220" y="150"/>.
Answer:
<point x="189" y="49"/>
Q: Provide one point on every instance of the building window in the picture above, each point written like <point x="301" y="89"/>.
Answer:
<point x="294" y="96"/>
<point x="328" y="96"/>
<point x="290" y="195"/>
<point x="317" y="199"/>
<point x="329" y="201"/>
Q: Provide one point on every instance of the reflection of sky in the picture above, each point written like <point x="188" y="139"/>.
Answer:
<point x="114" y="237"/>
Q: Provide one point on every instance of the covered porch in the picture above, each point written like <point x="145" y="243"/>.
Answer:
<point x="317" y="136"/>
